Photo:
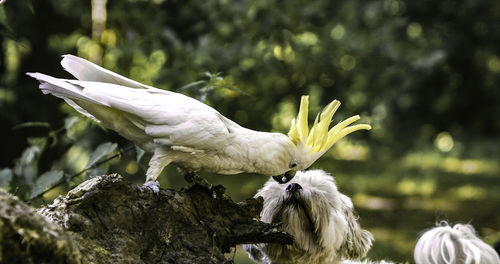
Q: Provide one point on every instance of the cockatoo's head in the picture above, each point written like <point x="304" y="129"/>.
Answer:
<point x="310" y="145"/>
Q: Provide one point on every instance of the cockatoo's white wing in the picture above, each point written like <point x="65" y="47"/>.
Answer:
<point x="183" y="122"/>
<point x="171" y="119"/>
<point x="149" y="117"/>
<point x="85" y="70"/>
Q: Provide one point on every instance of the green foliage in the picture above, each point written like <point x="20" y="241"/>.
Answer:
<point x="100" y="152"/>
<point x="25" y="177"/>
<point x="204" y="89"/>
<point x="45" y="181"/>
<point x="27" y="164"/>
<point x="5" y="176"/>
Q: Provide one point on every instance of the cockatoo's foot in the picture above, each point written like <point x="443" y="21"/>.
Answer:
<point x="153" y="185"/>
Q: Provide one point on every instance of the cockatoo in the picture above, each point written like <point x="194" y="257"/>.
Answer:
<point x="179" y="129"/>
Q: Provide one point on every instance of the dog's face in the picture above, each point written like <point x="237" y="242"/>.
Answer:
<point x="321" y="220"/>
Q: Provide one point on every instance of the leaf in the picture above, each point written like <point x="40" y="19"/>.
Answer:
<point x="75" y="126"/>
<point x="4" y="20"/>
<point x="29" y="155"/>
<point x="70" y="122"/>
<point x="101" y="151"/>
<point x="139" y="153"/>
<point x="214" y="76"/>
<point x="189" y="85"/>
<point x="37" y="141"/>
<point x="45" y="181"/>
<point x="5" y="176"/>
<point x="218" y="82"/>
<point x="27" y="164"/>
<point x="232" y="88"/>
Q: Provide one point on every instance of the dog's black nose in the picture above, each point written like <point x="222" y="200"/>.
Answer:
<point x="293" y="187"/>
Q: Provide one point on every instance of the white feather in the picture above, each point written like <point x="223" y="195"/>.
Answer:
<point x="87" y="71"/>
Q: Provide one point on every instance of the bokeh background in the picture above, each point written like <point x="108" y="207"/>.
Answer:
<point x="425" y="74"/>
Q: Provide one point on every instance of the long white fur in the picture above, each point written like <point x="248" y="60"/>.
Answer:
<point x="459" y="244"/>
<point x="336" y="234"/>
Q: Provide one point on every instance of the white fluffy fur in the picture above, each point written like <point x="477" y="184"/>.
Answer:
<point x="459" y="244"/>
<point x="318" y="216"/>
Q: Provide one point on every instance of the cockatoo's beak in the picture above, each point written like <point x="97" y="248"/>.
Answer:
<point x="284" y="178"/>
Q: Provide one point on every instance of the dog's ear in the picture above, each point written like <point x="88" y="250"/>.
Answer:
<point x="254" y="252"/>
<point x="357" y="241"/>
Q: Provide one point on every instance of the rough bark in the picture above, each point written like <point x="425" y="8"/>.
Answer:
<point x="106" y="220"/>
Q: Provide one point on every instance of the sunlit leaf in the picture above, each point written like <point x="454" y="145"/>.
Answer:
<point x="101" y="151"/>
<point x="37" y="141"/>
<point x="29" y="155"/>
<point x="45" y="181"/>
<point x="4" y="21"/>
<point x="70" y="122"/>
<point x="76" y="126"/>
<point x="5" y="176"/>
<point x="230" y="87"/>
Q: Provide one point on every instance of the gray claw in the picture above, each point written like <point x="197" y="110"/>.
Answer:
<point x="153" y="185"/>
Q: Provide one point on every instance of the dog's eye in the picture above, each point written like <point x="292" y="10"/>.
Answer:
<point x="293" y="165"/>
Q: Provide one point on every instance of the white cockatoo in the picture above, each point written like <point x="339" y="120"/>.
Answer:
<point x="179" y="129"/>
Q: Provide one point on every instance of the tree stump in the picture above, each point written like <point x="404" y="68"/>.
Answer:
<point x="107" y="220"/>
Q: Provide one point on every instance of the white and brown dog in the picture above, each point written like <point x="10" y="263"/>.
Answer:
<point x="320" y="218"/>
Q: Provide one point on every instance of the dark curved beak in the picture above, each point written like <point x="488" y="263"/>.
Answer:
<point x="284" y="178"/>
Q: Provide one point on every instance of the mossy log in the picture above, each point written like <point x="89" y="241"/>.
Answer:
<point x="107" y="220"/>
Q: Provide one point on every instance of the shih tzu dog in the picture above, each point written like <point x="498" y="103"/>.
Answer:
<point x="317" y="215"/>
<point x="458" y="245"/>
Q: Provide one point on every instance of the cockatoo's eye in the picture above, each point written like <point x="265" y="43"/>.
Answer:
<point x="293" y="165"/>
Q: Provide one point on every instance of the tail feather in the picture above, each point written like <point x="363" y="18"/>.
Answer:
<point x="64" y="90"/>
<point x="81" y="110"/>
<point x="126" y="124"/>
<point x="85" y="70"/>
<point x="60" y="88"/>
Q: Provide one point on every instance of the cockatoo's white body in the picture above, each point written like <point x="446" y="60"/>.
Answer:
<point x="174" y="127"/>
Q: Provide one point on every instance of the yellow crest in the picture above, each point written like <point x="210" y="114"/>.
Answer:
<point x="319" y="138"/>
